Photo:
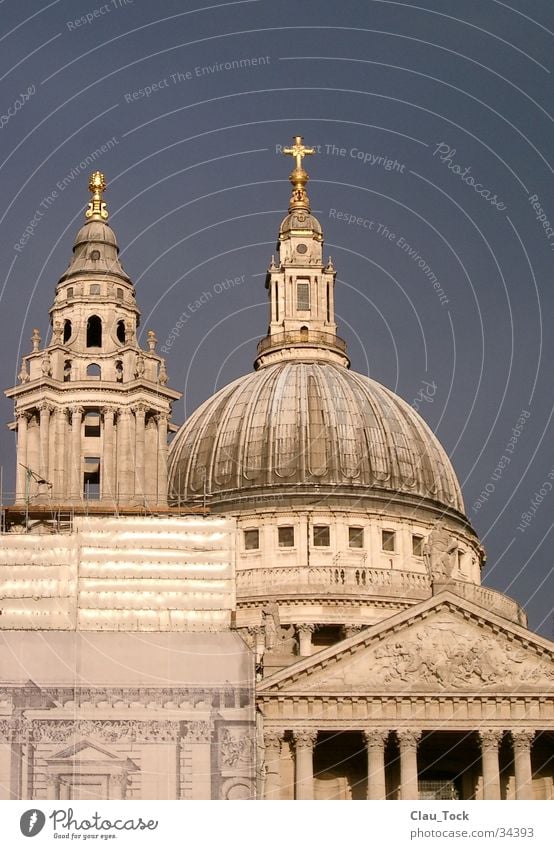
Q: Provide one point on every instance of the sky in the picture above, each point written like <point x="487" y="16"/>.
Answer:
<point x="433" y="182"/>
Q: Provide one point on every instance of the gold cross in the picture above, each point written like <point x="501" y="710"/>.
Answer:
<point x="298" y="151"/>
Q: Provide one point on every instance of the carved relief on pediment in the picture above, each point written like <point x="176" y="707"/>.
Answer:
<point x="440" y="654"/>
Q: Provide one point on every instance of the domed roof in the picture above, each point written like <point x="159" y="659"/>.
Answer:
<point x="95" y="251"/>
<point x="300" y="220"/>
<point x="294" y="425"/>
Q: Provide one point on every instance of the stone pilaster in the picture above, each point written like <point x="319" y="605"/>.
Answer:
<point x="408" y="739"/>
<point x="108" y="465"/>
<point x="162" y="420"/>
<point x="304" y="742"/>
<point x="76" y="486"/>
<point x="272" y="760"/>
<point x="140" y="418"/>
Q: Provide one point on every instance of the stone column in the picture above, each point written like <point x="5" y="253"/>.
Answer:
<point x="489" y="740"/>
<point x="272" y="743"/>
<point x="125" y="457"/>
<point x="140" y="419"/>
<point x="76" y="488"/>
<point x="21" y="473"/>
<point x="304" y="742"/>
<point x="162" y="458"/>
<point x="151" y="460"/>
<point x="408" y="739"/>
<point x="44" y="413"/>
<point x="108" y="481"/>
<point x="375" y="740"/>
<point x="522" y="740"/>
<point x="304" y="633"/>
<point x="60" y="444"/>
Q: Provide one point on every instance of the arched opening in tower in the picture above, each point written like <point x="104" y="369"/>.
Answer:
<point x="94" y="332"/>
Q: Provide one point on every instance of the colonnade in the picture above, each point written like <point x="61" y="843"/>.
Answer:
<point x="304" y="741"/>
<point x="132" y="449"/>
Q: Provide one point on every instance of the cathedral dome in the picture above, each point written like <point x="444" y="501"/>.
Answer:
<point x="305" y="429"/>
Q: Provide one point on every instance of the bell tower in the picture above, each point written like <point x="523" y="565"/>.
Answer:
<point x="300" y="285"/>
<point x="92" y="409"/>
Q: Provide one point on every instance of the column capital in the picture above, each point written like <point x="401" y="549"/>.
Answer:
<point x="107" y="411"/>
<point x="490" y="737"/>
<point x="305" y="738"/>
<point x="375" y="738"/>
<point x="522" y="738"/>
<point x="305" y="628"/>
<point x="162" y="418"/>
<point x="76" y="410"/>
<point x="46" y="407"/>
<point x="139" y="408"/>
<point x="408" y="737"/>
<point x="273" y="738"/>
<point x="22" y="414"/>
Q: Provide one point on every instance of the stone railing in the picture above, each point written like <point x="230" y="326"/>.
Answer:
<point x="493" y="600"/>
<point x="333" y="580"/>
<point x="358" y="580"/>
<point x="299" y="337"/>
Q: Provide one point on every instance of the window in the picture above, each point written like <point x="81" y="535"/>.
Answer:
<point x="94" y="371"/>
<point x="95" y="289"/>
<point x="94" y="332"/>
<point x="355" y="537"/>
<point x="69" y="294"/>
<point x="67" y="330"/>
<point x="286" y="536"/>
<point x="119" y="371"/>
<point x="322" y="535"/>
<point x="92" y="424"/>
<point x="121" y="330"/>
<point x="91" y="478"/>
<point x="119" y="294"/>
<point x="388" y="540"/>
<point x="67" y="371"/>
<point x="303" y="296"/>
<point x="251" y="540"/>
<point x="417" y="545"/>
<point x="461" y="559"/>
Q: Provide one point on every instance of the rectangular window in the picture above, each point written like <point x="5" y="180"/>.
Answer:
<point x="95" y="289"/>
<point x="251" y="540"/>
<point x="355" y="537"/>
<point x="119" y="294"/>
<point x="303" y="296"/>
<point x="70" y="292"/>
<point x="286" y="536"/>
<point x="388" y="540"/>
<point x="322" y="535"/>
<point x="92" y="424"/>
<point x="91" y="482"/>
<point x="417" y="545"/>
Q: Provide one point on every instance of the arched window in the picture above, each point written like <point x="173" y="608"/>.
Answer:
<point x="94" y="332"/>
<point x="67" y="330"/>
<point x="119" y="371"/>
<point x="67" y="371"/>
<point x="121" y="330"/>
<point x="304" y="333"/>
<point x="94" y="371"/>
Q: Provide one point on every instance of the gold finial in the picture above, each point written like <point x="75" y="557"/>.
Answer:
<point x="298" y="177"/>
<point x="97" y="207"/>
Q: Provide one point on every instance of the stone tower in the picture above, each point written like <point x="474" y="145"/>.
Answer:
<point x="92" y="409"/>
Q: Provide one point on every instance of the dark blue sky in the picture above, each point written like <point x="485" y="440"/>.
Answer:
<point x="434" y="121"/>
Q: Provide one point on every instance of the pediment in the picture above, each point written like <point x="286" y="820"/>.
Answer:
<point x="85" y="750"/>
<point x="444" y="644"/>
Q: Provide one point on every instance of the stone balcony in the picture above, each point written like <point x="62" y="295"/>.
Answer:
<point x="360" y="582"/>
